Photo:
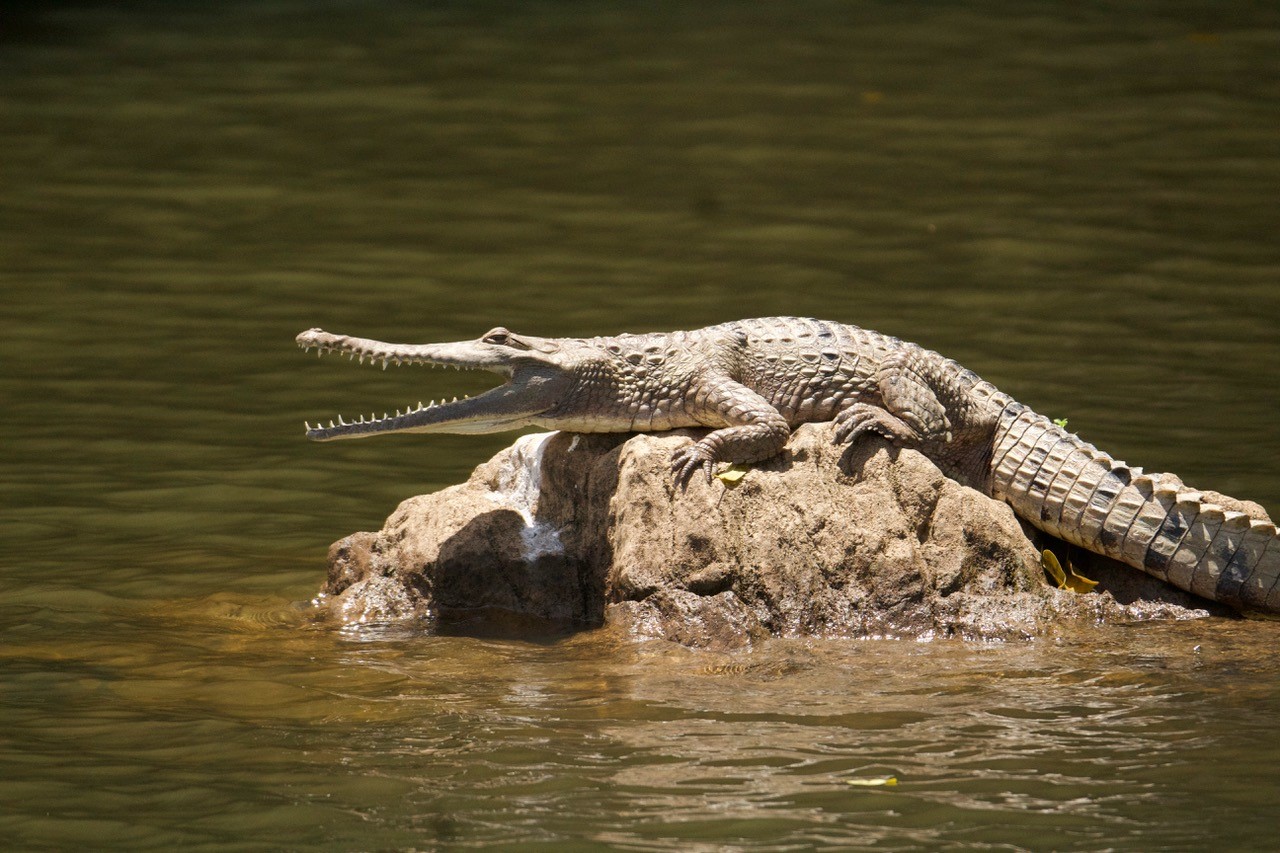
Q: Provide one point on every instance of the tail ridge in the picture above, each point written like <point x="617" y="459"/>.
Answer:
<point x="1201" y="541"/>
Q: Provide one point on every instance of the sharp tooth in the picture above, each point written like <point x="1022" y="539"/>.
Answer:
<point x="306" y="425"/>
<point x="331" y="425"/>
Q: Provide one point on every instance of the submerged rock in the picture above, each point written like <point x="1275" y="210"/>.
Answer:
<point x="588" y="529"/>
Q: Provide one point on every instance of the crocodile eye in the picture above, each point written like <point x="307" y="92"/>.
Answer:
<point x="503" y="338"/>
<point x="499" y="336"/>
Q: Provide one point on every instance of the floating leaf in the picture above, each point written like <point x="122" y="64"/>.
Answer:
<point x="1062" y="422"/>
<point x="731" y="475"/>
<point x="1065" y="578"/>
<point x="873" y="781"/>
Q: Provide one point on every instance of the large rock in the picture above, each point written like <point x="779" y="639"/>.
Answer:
<point x="589" y="530"/>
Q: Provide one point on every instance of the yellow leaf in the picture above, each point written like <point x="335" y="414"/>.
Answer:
<point x="731" y="475"/>
<point x="1067" y="579"/>
<point x="1079" y="583"/>
<point x="1054" y="568"/>
<point x="873" y="781"/>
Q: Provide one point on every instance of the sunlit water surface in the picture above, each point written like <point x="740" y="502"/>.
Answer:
<point x="1079" y="205"/>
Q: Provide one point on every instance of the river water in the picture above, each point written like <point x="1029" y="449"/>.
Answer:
<point x="1080" y="203"/>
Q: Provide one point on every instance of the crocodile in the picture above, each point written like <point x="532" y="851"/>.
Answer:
<point x="750" y="382"/>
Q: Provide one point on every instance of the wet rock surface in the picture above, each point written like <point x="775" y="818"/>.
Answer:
<point x="820" y="541"/>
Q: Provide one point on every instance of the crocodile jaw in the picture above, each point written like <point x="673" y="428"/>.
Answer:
<point x="531" y="388"/>
<point x="505" y="407"/>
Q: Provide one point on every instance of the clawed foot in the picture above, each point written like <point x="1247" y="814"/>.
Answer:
<point x="687" y="460"/>
<point x="862" y="418"/>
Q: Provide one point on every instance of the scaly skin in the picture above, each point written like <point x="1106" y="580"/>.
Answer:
<point x="752" y="381"/>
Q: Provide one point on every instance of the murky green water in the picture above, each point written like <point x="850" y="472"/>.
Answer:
<point x="1080" y="205"/>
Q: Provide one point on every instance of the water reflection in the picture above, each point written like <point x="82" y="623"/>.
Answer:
<point x="383" y="734"/>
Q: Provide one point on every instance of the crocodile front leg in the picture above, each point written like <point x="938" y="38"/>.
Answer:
<point x="751" y="429"/>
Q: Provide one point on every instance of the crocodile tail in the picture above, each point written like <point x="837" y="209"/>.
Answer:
<point x="1070" y="489"/>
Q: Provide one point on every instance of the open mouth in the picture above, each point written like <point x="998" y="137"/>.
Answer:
<point x="401" y="421"/>
<point x="497" y="409"/>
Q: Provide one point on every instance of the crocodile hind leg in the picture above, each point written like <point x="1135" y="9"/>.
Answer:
<point x="909" y="413"/>
<point x="862" y="418"/>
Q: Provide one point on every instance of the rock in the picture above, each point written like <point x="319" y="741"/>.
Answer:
<point x="589" y="529"/>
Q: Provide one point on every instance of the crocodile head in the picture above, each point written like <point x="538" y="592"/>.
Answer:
<point x="539" y="375"/>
